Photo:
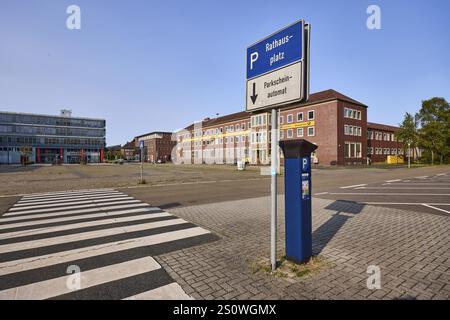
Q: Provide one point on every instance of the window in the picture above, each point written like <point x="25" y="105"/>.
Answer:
<point x="299" y="132"/>
<point x="237" y="127"/>
<point x="352" y="150"/>
<point x="311" y="115"/>
<point x="281" y="119"/>
<point x="311" y="132"/>
<point x="353" y="114"/>
<point x="281" y="134"/>
<point x="290" y="133"/>
<point x="290" y="118"/>
<point x="300" y="117"/>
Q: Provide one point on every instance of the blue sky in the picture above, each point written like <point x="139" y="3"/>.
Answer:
<point x="159" y="65"/>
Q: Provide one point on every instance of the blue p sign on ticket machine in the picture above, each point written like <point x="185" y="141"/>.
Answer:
<point x="297" y="198"/>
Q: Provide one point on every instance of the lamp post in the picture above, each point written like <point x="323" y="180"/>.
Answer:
<point x="409" y="155"/>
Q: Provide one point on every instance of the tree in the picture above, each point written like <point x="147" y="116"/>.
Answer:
<point x="408" y="132"/>
<point x="434" y="117"/>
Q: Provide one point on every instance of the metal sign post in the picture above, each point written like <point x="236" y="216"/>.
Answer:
<point x="273" y="189"/>
<point x="277" y="75"/>
<point x="141" y="145"/>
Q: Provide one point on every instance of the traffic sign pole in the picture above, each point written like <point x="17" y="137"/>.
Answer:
<point x="273" y="189"/>
<point x="141" y="146"/>
<point x="277" y="75"/>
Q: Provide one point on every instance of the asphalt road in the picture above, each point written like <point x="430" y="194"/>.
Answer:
<point x="428" y="193"/>
<point x="175" y="194"/>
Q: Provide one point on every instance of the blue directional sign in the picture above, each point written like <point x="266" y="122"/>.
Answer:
<point x="278" y="50"/>
<point x="141" y="144"/>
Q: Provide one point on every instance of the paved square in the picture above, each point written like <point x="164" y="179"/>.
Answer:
<point x="412" y="250"/>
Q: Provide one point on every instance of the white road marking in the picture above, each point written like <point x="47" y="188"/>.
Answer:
<point x="394" y="180"/>
<point x="83" y="216"/>
<point x="432" y="207"/>
<point x="58" y="286"/>
<point x="74" y="198"/>
<point x="63" y="213"/>
<point x="96" y="250"/>
<point x="25" y="245"/>
<point x="441" y="174"/>
<point x="172" y="291"/>
<point x="389" y="194"/>
<point x="401" y="188"/>
<point x="421" y="177"/>
<point x="403" y="203"/>
<point x="15" y="213"/>
<point x="64" y="193"/>
<point x="320" y="193"/>
<point x="64" y="205"/>
<point x="71" y="226"/>
<point x="354" y="186"/>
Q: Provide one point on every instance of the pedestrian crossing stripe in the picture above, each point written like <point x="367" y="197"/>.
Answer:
<point x="111" y="237"/>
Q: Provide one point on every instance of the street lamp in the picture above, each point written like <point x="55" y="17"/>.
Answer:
<point x="409" y="154"/>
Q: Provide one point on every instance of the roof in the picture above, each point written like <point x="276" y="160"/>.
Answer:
<point x="324" y="96"/>
<point x="116" y="147"/>
<point x="227" y="118"/>
<point x="51" y="116"/>
<point x="379" y="126"/>
<point x="154" y="132"/>
<point x="129" y="145"/>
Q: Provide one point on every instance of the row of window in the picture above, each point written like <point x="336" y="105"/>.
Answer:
<point x="350" y="130"/>
<point x="30" y="130"/>
<point x="300" y="132"/>
<point x="15" y="149"/>
<point x="382" y="136"/>
<point x="50" y="141"/>
<point x="259" y="120"/>
<point x="48" y="120"/>
<point x="385" y="151"/>
<point x="300" y="118"/>
<point x="352" y="114"/>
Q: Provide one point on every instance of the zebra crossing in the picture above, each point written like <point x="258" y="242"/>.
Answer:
<point x="90" y="244"/>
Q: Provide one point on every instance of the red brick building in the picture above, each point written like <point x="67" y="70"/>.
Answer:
<point x="336" y="123"/>
<point x="157" y="146"/>
<point x="382" y="142"/>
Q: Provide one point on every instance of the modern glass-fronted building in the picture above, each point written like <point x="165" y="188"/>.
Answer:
<point x="36" y="138"/>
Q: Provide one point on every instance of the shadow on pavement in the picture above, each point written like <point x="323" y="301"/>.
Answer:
<point x="325" y="233"/>
<point x="170" y="205"/>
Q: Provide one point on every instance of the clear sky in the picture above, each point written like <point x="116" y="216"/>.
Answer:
<point x="148" y="65"/>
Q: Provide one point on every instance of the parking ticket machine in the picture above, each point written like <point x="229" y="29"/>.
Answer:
<point x="297" y="198"/>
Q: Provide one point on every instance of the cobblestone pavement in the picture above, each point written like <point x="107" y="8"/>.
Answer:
<point x="412" y="249"/>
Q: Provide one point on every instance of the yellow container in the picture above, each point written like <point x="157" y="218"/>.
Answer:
<point x="394" y="159"/>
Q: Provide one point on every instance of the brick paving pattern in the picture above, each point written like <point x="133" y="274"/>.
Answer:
<point x="412" y="249"/>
